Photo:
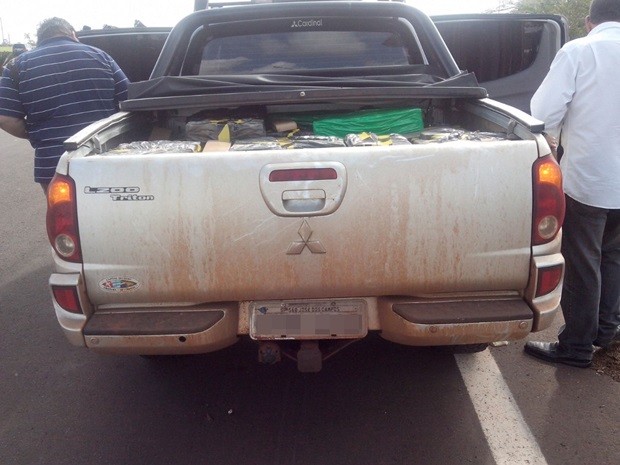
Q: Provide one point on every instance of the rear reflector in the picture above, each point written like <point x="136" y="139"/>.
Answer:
<point x="548" y="279"/>
<point x="67" y="298"/>
<point x="303" y="174"/>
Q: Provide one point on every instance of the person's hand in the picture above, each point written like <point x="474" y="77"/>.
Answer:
<point x="553" y="144"/>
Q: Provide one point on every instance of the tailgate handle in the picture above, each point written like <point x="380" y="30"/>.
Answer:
<point x="304" y="201"/>
<point x="303" y="188"/>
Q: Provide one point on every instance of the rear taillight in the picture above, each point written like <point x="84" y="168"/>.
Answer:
<point x="549" y="203"/>
<point x="548" y="279"/>
<point x="62" y="226"/>
<point x="67" y="298"/>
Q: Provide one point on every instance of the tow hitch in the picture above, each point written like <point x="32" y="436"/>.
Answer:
<point x="309" y="355"/>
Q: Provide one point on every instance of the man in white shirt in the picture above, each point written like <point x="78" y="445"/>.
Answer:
<point x="579" y="102"/>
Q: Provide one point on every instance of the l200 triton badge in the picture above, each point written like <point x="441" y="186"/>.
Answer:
<point x="297" y="247"/>
<point x="120" y="194"/>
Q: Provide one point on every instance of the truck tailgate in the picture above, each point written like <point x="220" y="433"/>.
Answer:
<point x="400" y="220"/>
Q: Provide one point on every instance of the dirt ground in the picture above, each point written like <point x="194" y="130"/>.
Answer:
<point x="607" y="361"/>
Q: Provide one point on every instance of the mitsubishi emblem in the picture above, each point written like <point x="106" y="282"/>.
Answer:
<point x="297" y="247"/>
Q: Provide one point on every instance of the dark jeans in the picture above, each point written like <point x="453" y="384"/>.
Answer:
<point x="591" y="293"/>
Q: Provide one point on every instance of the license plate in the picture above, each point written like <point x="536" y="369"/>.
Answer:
<point x="309" y="319"/>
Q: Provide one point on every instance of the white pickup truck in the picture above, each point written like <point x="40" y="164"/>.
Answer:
<point x="304" y="174"/>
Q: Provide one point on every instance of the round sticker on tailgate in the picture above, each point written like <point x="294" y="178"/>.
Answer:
<point x="119" y="284"/>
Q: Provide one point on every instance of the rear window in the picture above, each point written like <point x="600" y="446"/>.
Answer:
<point x="306" y="50"/>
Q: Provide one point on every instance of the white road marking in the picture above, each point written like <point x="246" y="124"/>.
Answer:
<point x="509" y="438"/>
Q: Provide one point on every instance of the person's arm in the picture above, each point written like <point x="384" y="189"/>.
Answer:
<point x="12" y="115"/>
<point x="121" y="81"/>
<point x="550" y="102"/>
<point x="14" y="126"/>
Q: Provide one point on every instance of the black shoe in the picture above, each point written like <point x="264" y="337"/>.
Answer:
<point x="550" y="352"/>
<point x="607" y="345"/>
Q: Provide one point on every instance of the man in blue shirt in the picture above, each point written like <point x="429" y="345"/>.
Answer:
<point x="50" y="93"/>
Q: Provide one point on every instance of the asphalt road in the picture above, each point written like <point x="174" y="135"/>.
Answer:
<point x="374" y="403"/>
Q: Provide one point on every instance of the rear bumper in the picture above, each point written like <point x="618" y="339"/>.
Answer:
<point x="209" y="327"/>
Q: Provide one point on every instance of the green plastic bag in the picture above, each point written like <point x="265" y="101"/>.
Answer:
<point x="382" y="122"/>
